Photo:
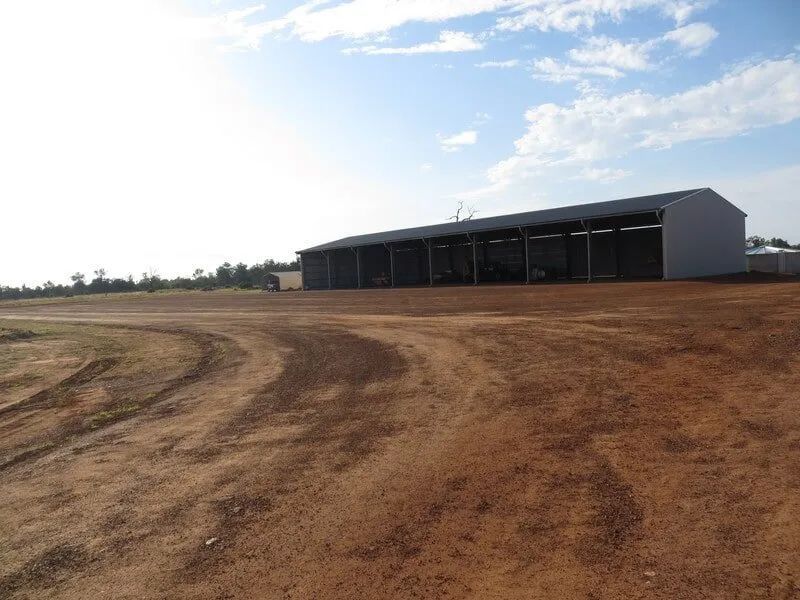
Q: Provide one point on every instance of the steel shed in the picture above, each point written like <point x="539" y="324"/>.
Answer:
<point x="690" y="233"/>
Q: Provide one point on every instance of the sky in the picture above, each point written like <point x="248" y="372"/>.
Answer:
<point x="164" y="136"/>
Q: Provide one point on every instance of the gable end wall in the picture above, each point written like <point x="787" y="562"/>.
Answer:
<point x="703" y="235"/>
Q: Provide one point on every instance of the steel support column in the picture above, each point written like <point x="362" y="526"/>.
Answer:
<point x="524" y="231"/>
<point x="587" y="225"/>
<point x="391" y="260"/>
<point x="328" y="260"/>
<point x="429" y="246"/>
<point x="568" y="253"/>
<point x="474" y="259"/>
<point x="664" y="269"/>
<point x="358" y="265"/>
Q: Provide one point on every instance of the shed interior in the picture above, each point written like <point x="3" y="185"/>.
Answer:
<point x="626" y="246"/>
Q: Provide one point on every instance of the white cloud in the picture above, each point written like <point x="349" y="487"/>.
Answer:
<point x="694" y="38"/>
<point x="575" y="15"/>
<point x="549" y="69"/>
<point x="426" y="167"/>
<point x="602" y="56"/>
<point x="454" y="143"/>
<point x="682" y="10"/>
<point x="449" y="41"/>
<point x="498" y="64"/>
<point x="233" y="28"/>
<point x="317" y="20"/>
<point x="604" y="175"/>
<point x="602" y="50"/>
<point x="599" y="56"/>
<point x="595" y="127"/>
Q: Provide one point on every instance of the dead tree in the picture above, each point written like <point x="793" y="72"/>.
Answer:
<point x="457" y="217"/>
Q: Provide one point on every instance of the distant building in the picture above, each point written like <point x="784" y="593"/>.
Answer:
<point x="769" y="259"/>
<point x="285" y="280"/>
<point x="692" y="233"/>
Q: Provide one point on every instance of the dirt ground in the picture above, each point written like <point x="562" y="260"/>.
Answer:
<point x="613" y="440"/>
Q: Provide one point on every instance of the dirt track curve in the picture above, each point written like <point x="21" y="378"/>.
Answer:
<point x="617" y="440"/>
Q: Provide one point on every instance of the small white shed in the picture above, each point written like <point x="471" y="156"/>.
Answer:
<point x="288" y="280"/>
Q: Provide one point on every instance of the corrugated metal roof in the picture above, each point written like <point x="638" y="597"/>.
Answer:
<point x="768" y="250"/>
<point x="610" y="208"/>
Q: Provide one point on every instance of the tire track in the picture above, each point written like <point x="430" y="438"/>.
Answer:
<point x="214" y="349"/>
<point x="323" y="394"/>
<point x="61" y="389"/>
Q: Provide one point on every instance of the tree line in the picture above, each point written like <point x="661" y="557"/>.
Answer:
<point x="224" y="276"/>
<point x="756" y="240"/>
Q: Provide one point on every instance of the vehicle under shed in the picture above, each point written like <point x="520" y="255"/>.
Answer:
<point x="690" y="233"/>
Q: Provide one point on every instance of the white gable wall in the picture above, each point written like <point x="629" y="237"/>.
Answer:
<point x="290" y="280"/>
<point x="703" y="235"/>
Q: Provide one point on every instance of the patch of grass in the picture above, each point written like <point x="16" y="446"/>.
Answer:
<point x="13" y="335"/>
<point x="109" y="416"/>
<point x="31" y="326"/>
<point x="112" y="297"/>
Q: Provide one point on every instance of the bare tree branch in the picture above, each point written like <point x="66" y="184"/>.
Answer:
<point x="457" y="217"/>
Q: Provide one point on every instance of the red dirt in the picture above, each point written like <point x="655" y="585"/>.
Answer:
<point x="637" y="440"/>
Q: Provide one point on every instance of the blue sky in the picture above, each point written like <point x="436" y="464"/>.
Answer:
<point x="180" y="134"/>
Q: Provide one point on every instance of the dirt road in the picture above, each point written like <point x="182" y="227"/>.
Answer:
<point x="615" y="440"/>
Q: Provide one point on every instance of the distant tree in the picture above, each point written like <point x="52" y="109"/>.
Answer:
<point x="118" y="284"/>
<point x="183" y="283"/>
<point x="778" y="243"/>
<point x="271" y="265"/>
<point x="99" y="285"/>
<point x="754" y="241"/>
<point x="225" y="274"/>
<point x="256" y="273"/>
<point x="241" y="276"/>
<point x="197" y="281"/>
<point x="151" y="281"/>
<point x="78" y="283"/>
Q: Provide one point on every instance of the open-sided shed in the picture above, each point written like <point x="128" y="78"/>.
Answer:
<point x="690" y="233"/>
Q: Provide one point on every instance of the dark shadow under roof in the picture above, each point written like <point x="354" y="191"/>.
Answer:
<point x="610" y="208"/>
